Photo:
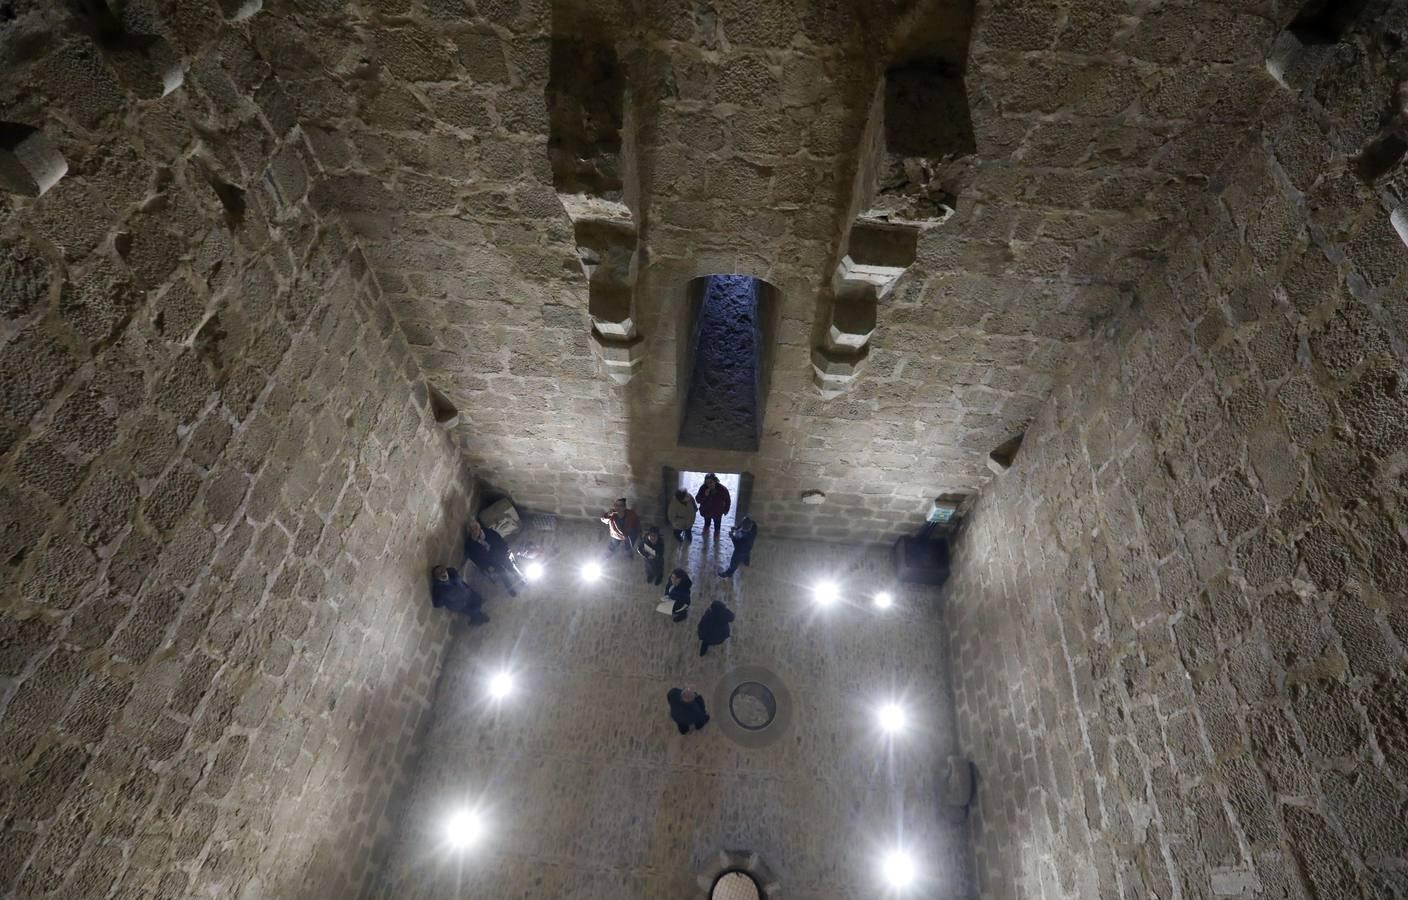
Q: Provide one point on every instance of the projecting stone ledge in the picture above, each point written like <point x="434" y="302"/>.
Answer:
<point x="621" y="357"/>
<point x="835" y="370"/>
<point x="877" y="255"/>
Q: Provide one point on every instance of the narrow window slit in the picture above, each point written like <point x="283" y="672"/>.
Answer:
<point x="724" y="370"/>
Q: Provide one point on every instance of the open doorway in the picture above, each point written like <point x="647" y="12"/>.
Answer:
<point x="698" y="555"/>
<point x="694" y="483"/>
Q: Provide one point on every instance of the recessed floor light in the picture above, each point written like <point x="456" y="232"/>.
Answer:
<point x="898" y="869"/>
<point x="464" y="828"/>
<point x="892" y="717"/>
<point x="501" y="685"/>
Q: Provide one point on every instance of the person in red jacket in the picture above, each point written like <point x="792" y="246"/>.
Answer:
<point x="714" y="503"/>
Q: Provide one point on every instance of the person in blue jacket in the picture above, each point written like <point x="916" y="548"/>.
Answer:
<point x="678" y="590"/>
<point x="713" y="626"/>
<point x="743" y="535"/>
<point x="687" y="709"/>
<point x="449" y="591"/>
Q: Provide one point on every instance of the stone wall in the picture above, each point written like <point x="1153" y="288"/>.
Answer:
<point x="745" y="127"/>
<point x="1179" y="621"/>
<point x="218" y="487"/>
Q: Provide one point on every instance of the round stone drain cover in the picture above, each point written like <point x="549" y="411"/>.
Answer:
<point x="735" y="886"/>
<point x="759" y="707"/>
<point x="753" y="705"/>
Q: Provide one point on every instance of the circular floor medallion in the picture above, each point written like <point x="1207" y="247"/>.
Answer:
<point x="735" y="886"/>
<point x="753" y="705"/>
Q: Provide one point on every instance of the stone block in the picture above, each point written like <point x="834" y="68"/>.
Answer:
<point x="835" y="371"/>
<point x="852" y="320"/>
<point x="621" y="357"/>
<point x="30" y="164"/>
<point x="239" y="10"/>
<point x="609" y="305"/>
<point x="878" y="254"/>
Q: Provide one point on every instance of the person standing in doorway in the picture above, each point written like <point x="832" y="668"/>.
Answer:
<point x="714" y="503"/>
<point x="682" y="512"/>
<point x="677" y="590"/>
<point x="652" y="550"/>
<point x="623" y="525"/>
<point x="489" y="552"/>
<point x="713" y="626"/>
<point x="687" y="709"/>
<point x="743" y="535"/>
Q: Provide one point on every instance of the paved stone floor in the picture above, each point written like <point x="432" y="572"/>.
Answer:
<point x="588" y="789"/>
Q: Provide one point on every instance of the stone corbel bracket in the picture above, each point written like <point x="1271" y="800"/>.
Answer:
<point x="608" y="251"/>
<point x="876" y="257"/>
<point x="591" y="151"/>
<point x="917" y="147"/>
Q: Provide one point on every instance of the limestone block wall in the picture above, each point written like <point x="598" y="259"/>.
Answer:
<point x="1095" y="125"/>
<point x="218" y="487"/>
<point x="1179" y="621"/>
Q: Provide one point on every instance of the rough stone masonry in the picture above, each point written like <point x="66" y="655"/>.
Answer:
<point x="245" y="243"/>
<point x="1179" y="622"/>
<point x="220" y="482"/>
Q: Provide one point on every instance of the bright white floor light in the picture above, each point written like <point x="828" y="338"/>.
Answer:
<point x="533" y="571"/>
<point x="501" y="685"/>
<point x="892" y="717"/>
<point x="464" y="829"/>
<point x="898" y="869"/>
<point x="591" y="571"/>
<point x="883" y="600"/>
<point x="827" y="592"/>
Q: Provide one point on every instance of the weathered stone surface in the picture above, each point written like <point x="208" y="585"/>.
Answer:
<point x="177" y="718"/>
<point x="1177" y="620"/>
<point x="1235" y="622"/>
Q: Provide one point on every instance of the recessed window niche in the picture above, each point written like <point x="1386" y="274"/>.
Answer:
<point x="724" y="366"/>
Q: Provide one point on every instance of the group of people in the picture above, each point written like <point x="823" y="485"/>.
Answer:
<point x="712" y="501"/>
<point x="489" y="552"/>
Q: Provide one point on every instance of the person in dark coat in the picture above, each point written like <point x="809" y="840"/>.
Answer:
<point x="687" y="709"/>
<point x="652" y="549"/>
<point x="743" y="535"/>
<point x="489" y="552"/>
<point x="623" y="526"/>
<point x="714" y="502"/>
<point x="713" y="626"/>
<point x="449" y="591"/>
<point x="678" y="591"/>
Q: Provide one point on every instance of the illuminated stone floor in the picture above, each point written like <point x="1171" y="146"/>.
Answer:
<point x="588" y="790"/>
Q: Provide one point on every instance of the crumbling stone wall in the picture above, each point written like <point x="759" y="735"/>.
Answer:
<point x="1179" y="622"/>
<point x="218" y="489"/>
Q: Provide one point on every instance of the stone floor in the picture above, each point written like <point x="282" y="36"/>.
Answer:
<point x="589" y="790"/>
